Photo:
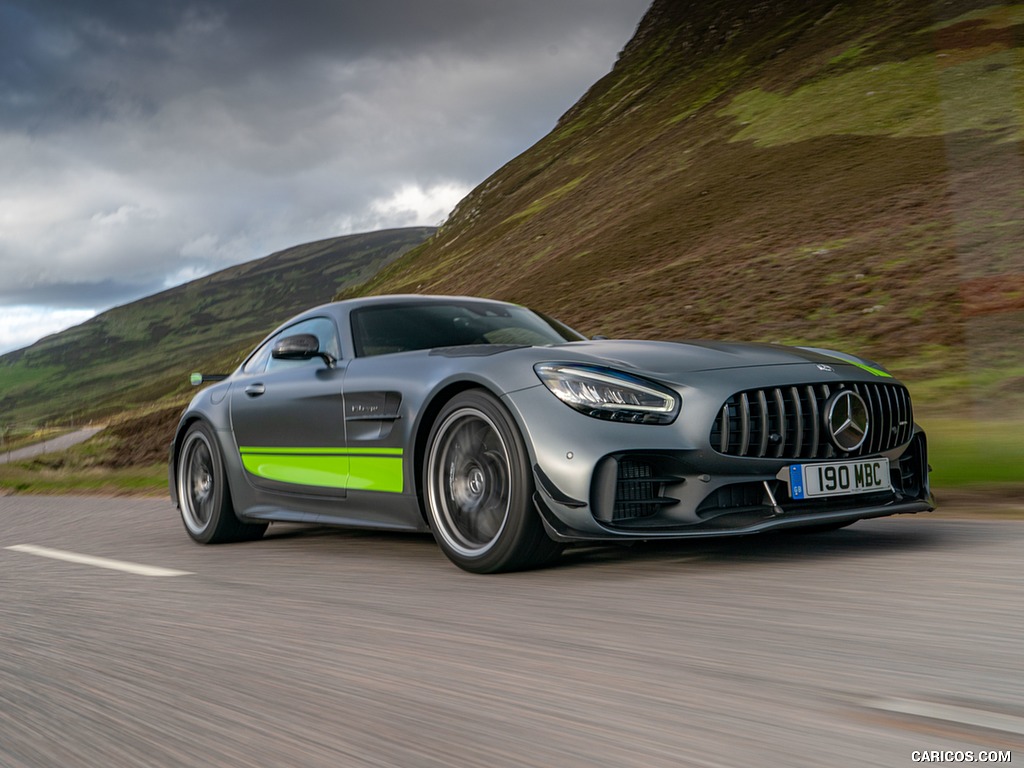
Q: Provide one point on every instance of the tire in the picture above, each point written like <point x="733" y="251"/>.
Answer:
<point x="203" y="495"/>
<point x="479" y="489"/>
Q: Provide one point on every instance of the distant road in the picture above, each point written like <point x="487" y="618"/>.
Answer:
<point x="122" y="643"/>
<point x="50" y="446"/>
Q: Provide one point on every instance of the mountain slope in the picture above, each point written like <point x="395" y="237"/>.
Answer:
<point x="844" y="174"/>
<point x="139" y="352"/>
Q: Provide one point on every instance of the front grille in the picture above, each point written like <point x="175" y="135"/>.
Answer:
<point x="790" y="422"/>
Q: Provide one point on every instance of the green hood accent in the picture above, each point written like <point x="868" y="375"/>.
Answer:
<point x="851" y="360"/>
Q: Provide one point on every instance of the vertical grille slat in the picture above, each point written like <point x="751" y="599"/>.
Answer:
<point x="890" y="410"/>
<point x="724" y="441"/>
<point x="744" y="424"/>
<point x="876" y="410"/>
<point x="780" y="407"/>
<point x="815" y="418"/>
<point x="798" y="415"/>
<point x="792" y="419"/>
<point x="856" y="387"/>
<point x="898" y="415"/>
<point x="908" y="428"/>
<point x="894" y="416"/>
<point x="874" y="434"/>
<point x="762" y="405"/>
<point x="881" y="416"/>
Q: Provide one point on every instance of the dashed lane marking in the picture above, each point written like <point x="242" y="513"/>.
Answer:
<point x="950" y="713"/>
<point x="99" y="562"/>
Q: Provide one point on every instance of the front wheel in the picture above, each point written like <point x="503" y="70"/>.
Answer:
<point x="203" y="495"/>
<point x="479" y="489"/>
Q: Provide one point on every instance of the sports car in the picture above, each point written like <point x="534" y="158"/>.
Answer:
<point x="508" y="435"/>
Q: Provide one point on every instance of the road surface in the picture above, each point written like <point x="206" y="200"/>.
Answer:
<point x="53" y="445"/>
<point x="317" y="647"/>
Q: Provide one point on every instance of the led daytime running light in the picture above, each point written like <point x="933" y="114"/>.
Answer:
<point x="608" y="394"/>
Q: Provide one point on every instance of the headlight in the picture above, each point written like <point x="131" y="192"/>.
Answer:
<point x="607" y="394"/>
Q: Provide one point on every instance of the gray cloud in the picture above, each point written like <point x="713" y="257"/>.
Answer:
<point x="146" y="143"/>
<point x="72" y="61"/>
<point x="108" y="292"/>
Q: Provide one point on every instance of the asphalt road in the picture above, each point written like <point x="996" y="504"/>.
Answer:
<point x="328" y="648"/>
<point x="52" y="445"/>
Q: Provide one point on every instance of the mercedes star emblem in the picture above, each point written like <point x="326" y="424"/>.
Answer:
<point x="847" y="418"/>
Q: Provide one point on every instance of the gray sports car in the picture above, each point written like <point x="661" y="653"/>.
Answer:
<point x="508" y="435"/>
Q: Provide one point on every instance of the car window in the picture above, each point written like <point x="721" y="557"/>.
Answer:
<point x="257" y="362"/>
<point x="323" y="328"/>
<point x="404" y="327"/>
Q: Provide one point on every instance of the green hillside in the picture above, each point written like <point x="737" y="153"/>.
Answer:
<point x="844" y="174"/>
<point x="140" y="352"/>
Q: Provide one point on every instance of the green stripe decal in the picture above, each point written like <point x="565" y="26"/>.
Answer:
<point x="864" y="366"/>
<point x="260" y="450"/>
<point x="375" y="473"/>
<point x="319" y="471"/>
<point x="851" y="360"/>
<point x="363" y="469"/>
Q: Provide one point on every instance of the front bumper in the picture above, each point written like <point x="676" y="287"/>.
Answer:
<point x="559" y="530"/>
<point x="602" y="481"/>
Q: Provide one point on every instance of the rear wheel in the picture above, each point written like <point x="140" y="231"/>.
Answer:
<point x="479" y="489"/>
<point x="203" y="495"/>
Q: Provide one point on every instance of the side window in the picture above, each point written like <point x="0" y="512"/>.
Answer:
<point x="258" y="362"/>
<point x="325" y="330"/>
<point x="321" y="327"/>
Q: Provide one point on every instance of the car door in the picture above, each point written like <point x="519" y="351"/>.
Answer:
<point x="288" y="416"/>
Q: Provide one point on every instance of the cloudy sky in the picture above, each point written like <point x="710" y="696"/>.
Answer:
<point x="143" y="144"/>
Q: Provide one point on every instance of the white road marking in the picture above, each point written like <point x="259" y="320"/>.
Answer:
<point x="99" y="562"/>
<point x="995" y="721"/>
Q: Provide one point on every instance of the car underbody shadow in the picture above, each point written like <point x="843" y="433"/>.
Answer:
<point x="864" y="539"/>
<point x="867" y="538"/>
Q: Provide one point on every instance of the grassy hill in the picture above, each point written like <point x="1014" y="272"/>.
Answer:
<point x="843" y="174"/>
<point x="135" y="354"/>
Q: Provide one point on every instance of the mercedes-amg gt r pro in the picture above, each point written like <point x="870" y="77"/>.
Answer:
<point x="508" y="435"/>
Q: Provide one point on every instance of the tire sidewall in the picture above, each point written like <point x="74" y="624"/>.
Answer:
<point x="208" y="532"/>
<point x="505" y="552"/>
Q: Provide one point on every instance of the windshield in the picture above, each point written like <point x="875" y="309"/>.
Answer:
<point x="404" y="327"/>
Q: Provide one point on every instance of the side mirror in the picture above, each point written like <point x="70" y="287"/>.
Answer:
<point x="302" y="346"/>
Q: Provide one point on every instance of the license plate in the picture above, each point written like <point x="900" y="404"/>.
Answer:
<point x="838" y="478"/>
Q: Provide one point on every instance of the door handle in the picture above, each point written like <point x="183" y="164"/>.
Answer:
<point x="255" y="390"/>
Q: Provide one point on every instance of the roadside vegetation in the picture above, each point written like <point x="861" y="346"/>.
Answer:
<point x="980" y="453"/>
<point x="62" y="477"/>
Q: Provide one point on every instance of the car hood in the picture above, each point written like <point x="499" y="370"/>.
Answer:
<point x="669" y="359"/>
